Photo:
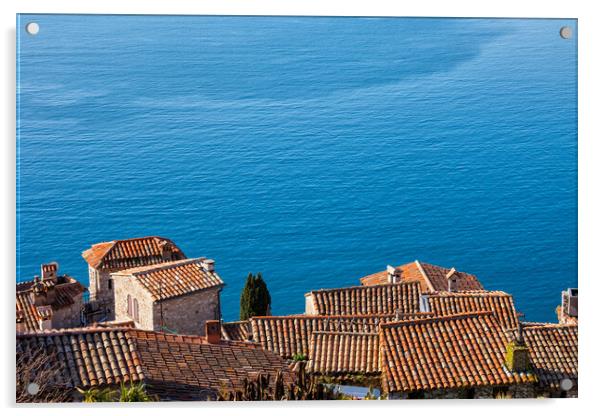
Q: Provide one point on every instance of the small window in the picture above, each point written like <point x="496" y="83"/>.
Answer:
<point x="110" y="284"/>
<point x="136" y="317"/>
<point x="129" y="306"/>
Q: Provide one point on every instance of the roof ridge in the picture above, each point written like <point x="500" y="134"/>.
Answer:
<point x="426" y="278"/>
<point x="361" y="287"/>
<point x="463" y="315"/>
<point x="358" y="333"/>
<point x="159" y="266"/>
<point x="469" y="293"/>
<point x="70" y="331"/>
<point x="547" y="325"/>
<point x="303" y="316"/>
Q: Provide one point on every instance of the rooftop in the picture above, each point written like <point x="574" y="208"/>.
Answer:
<point x="176" y="278"/>
<point x="174" y="367"/>
<point x="553" y="350"/>
<point x="290" y="335"/>
<point x="430" y="277"/>
<point x="344" y="353"/>
<point x="63" y="290"/>
<point x="464" y="350"/>
<point x="500" y="303"/>
<point x="362" y="300"/>
<point x="133" y="252"/>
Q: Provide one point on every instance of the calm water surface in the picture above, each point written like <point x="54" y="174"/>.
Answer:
<point x="314" y="150"/>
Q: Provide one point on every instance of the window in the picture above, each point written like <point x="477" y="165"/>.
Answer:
<point x="136" y="317"/>
<point x="110" y="284"/>
<point x="129" y="306"/>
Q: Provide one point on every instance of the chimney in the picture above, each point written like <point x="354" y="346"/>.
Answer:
<point x="393" y="274"/>
<point x="38" y="292"/>
<point x="166" y="251"/>
<point x="517" y="353"/>
<point x="49" y="272"/>
<point x="20" y="322"/>
<point x="209" y="265"/>
<point x="452" y="280"/>
<point x="571" y="306"/>
<point x="213" y="332"/>
<point x="45" y="317"/>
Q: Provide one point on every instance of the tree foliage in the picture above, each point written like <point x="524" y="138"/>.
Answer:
<point x="255" y="298"/>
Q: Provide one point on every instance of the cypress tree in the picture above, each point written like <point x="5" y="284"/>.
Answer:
<point x="255" y="299"/>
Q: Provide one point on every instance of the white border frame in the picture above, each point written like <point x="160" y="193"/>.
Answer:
<point x="589" y="210"/>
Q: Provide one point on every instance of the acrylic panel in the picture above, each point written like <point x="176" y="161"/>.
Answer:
<point x="190" y="175"/>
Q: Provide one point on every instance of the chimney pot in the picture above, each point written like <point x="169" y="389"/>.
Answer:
<point x="213" y="331"/>
<point x="393" y="274"/>
<point x="452" y="280"/>
<point x="49" y="271"/>
<point x="209" y="265"/>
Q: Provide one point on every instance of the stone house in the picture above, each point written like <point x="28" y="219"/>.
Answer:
<point x="567" y="311"/>
<point x="177" y="296"/>
<point x="432" y="278"/>
<point x="49" y="302"/>
<point x="172" y="367"/>
<point x="112" y="256"/>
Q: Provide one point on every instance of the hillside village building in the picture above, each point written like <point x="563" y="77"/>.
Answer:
<point x="567" y="311"/>
<point x="178" y="296"/>
<point x="431" y="278"/>
<point x="49" y="301"/>
<point x="413" y="331"/>
<point x="113" y="256"/>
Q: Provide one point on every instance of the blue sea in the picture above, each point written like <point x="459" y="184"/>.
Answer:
<point x="313" y="150"/>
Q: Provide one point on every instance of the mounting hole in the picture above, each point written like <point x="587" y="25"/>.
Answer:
<point x="33" y="389"/>
<point x="566" y="384"/>
<point x="32" y="28"/>
<point x="566" y="32"/>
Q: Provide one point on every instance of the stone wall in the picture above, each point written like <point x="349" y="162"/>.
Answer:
<point x="124" y="286"/>
<point x="187" y="314"/>
<point x="68" y="317"/>
<point x="309" y="305"/>
<point x="101" y="294"/>
<point x="518" y="391"/>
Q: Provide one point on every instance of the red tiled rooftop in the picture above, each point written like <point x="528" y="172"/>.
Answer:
<point x="344" y="353"/>
<point x="168" y="280"/>
<point x="134" y="252"/>
<point x="65" y="290"/>
<point x="363" y="300"/>
<point x="498" y="302"/>
<point x="553" y="350"/>
<point x="464" y="350"/>
<point x="290" y="335"/>
<point x="173" y="366"/>
<point x="431" y="277"/>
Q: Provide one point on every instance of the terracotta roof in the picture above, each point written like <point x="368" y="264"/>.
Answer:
<point x="431" y="277"/>
<point x="553" y="350"/>
<point x="290" y="335"/>
<point x="363" y="300"/>
<point x="344" y="353"/>
<point x="134" y="252"/>
<point x="236" y="331"/>
<point x="174" y="367"/>
<point x="464" y="350"/>
<point x="89" y="357"/>
<point x="65" y="290"/>
<point x="500" y="303"/>
<point x="168" y="280"/>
